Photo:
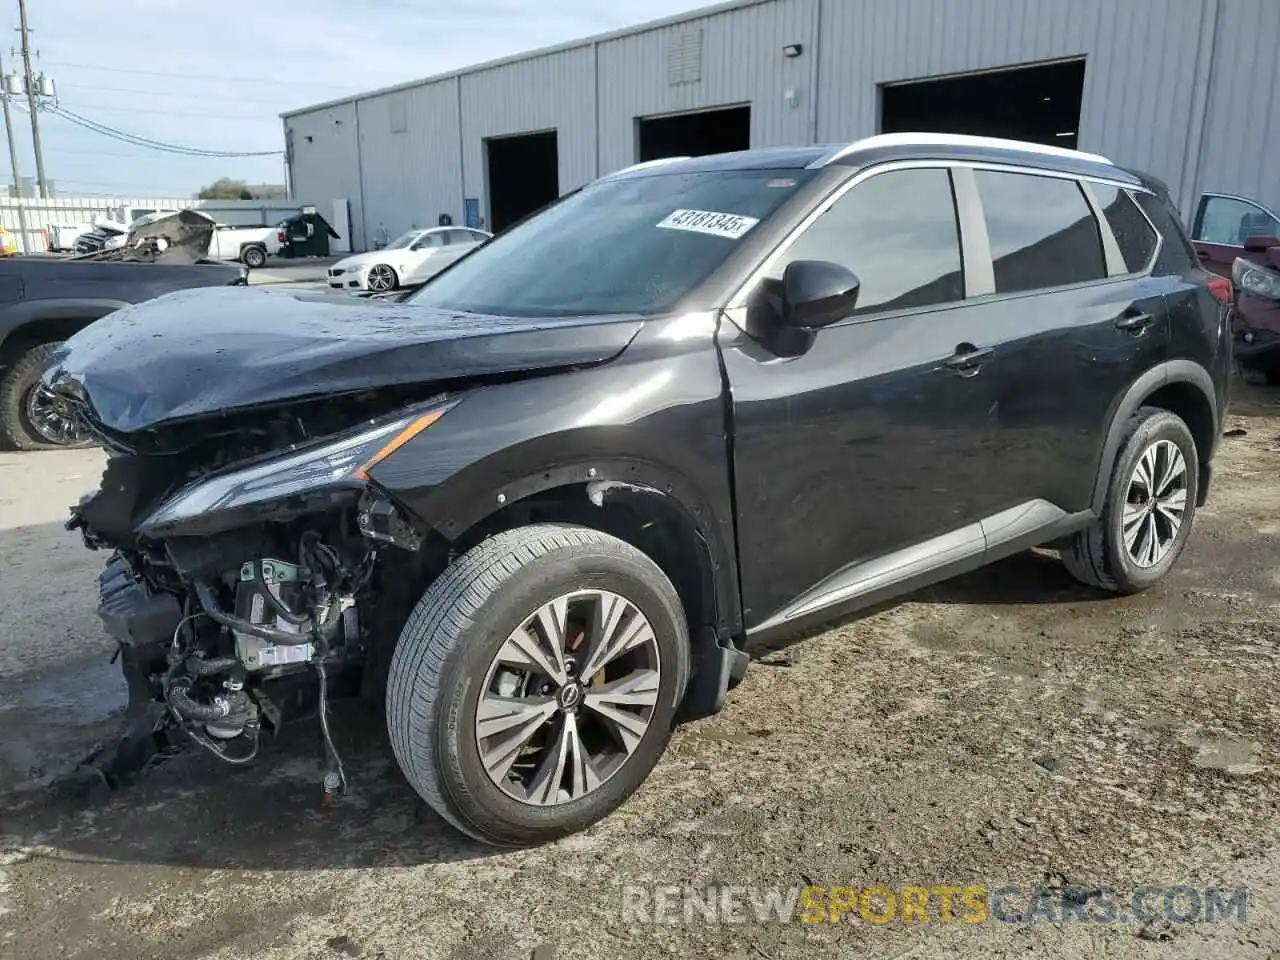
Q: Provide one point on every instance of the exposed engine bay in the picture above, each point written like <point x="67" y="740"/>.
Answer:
<point x="229" y="636"/>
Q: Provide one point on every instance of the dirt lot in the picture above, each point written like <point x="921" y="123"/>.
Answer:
<point x="996" y="730"/>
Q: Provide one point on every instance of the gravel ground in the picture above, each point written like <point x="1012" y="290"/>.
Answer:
<point x="1005" y="728"/>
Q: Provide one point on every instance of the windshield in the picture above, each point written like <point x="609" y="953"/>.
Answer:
<point x="404" y="240"/>
<point x="623" y="246"/>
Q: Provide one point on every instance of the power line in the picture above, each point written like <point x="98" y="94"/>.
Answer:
<point x="147" y="142"/>
<point x="175" y="113"/>
<point x="199" y="76"/>
<point x="186" y="94"/>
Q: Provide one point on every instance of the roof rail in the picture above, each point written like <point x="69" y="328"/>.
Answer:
<point x="954" y="140"/>
<point x="645" y="166"/>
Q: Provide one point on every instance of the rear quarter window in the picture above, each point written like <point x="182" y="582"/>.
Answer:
<point x="1177" y="255"/>
<point x="1134" y="234"/>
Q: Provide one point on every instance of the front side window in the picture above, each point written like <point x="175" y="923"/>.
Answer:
<point x="629" y="246"/>
<point x="897" y="232"/>
<point x="1042" y="231"/>
<point x="1230" y="221"/>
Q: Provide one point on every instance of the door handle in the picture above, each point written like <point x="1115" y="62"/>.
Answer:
<point x="968" y="359"/>
<point x="1203" y="255"/>
<point x="1134" y="321"/>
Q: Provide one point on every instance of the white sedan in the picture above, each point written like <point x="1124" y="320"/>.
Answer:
<point x="410" y="259"/>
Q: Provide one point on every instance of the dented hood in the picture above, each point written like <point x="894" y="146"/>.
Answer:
<point x="198" y="353"/>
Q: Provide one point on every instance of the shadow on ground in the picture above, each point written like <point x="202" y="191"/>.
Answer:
<point x="194" y="811"/>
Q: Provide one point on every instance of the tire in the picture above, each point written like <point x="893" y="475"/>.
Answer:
<point x="254" y="257"/>
<point x="17" y="431"/>
<point x="388" y="278"/>
<point x="1098" y="556"/>
<point x="446" y="655"/>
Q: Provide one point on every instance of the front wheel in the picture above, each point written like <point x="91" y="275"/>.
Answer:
<point x="31" y="416"/>
<point x="382" y="278"/>
<point x="535" y="685"/>
<point x="1150" y="506"/>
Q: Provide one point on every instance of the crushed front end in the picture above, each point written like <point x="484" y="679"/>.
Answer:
<point x="243" y="570"/>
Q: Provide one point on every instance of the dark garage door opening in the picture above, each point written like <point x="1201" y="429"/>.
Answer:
<point x="1040" y="104"/>
<point x="524" y="176"/>
<point x="695" y="134"/>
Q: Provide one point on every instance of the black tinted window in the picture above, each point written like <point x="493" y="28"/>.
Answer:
<point x="897" y="231"/>
<point x="1134" y="236"/>
<point x="1042" y="231"/>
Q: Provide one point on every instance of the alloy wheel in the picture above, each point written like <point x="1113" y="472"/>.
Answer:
<point x="51" y="417"/>
<point x="381" y="278"/>
<point x="568" y="698"/>
<point x="1155" y="503"/>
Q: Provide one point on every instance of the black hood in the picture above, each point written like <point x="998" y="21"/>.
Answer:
<point x="197" y="353"/>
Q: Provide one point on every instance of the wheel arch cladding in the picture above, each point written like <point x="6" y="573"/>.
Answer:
<point x="639" y="512"/>
<point x="1183" y="388"/>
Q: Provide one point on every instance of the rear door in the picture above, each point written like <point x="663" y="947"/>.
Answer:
<point x="1223" y="223"/>
<point x="1075" y="319"/>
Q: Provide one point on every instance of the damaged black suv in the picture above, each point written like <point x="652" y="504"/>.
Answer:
<point x="543" y="504"/>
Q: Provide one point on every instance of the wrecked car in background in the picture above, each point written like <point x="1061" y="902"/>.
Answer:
<point x="1240" y="239"/>
<point x="44" y="300"/>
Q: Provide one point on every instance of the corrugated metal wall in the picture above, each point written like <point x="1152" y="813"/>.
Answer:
<point x="556" y="92"/>
<point x="1180" y="88"/>
<point x="1241" y="145"/>
<point x="326" y="163"/>
<point x="1140" y="67"/>
<point x="410" y="157"/>
<point x="742" y="63"/>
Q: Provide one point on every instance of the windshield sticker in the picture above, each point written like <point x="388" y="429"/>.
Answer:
<point x="707" y="221"/>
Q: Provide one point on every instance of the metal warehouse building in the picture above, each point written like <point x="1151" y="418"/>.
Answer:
<point x="1181" y="88"/>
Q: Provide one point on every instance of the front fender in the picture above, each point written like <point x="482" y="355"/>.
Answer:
<point x="653" y="420"/>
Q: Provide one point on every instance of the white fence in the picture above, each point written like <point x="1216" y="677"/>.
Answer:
<point x="45" y="216"/>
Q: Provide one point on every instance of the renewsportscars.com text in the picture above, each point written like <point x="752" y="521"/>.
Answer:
<point x="941" y="904"/>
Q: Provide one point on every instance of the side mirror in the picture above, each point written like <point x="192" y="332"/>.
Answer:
<point x="1261" y="243"/>
<point x="816" y="293"/>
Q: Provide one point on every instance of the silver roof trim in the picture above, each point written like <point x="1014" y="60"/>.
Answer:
<point x="647" y="164"/>
<point x="953" y="140"/>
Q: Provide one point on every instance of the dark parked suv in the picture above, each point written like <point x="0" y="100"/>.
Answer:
<point x="547" y="501"/>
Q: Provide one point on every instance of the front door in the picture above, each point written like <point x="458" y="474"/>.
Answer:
<point x="878" y="436"/>
<point x="1223" y="224"/>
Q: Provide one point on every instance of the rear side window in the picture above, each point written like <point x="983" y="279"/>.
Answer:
<point x="1134" y="236"/>
<point x="1043" y="232"/>
<point x="1177" y="255"/>
<point x="897" y="232"/>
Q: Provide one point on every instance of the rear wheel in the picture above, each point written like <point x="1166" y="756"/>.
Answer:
<point x="31" y="416"/>
<point x="254" y="257"/>
<point x="1150" y="506"/>
<point x="535" y="685"/>
<point x="382" y="278"/>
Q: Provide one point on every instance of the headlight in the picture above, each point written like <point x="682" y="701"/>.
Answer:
<point x="1255" y="280"/>
<point x="341" y="463"/>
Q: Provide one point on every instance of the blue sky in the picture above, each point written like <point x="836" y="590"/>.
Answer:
<point x="212" y="74"/>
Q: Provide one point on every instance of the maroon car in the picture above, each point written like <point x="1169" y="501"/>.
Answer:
<point x="1239" y="238"/>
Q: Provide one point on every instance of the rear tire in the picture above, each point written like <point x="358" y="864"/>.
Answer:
<point x="1133" y="546"/>
<point x="447" y="664"/>
<point x="254" y="257"/>
<point x="18" y="431"/>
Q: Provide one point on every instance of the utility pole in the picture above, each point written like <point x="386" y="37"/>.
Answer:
<point x="13" y="160"/>
<point x="32" y="91"/>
